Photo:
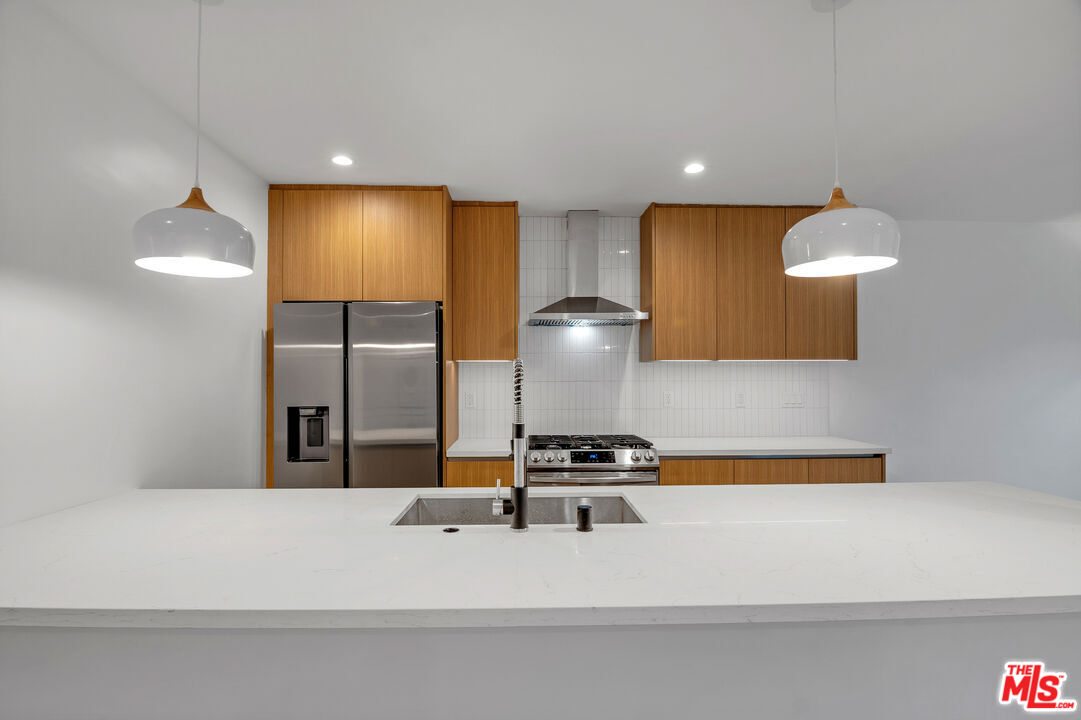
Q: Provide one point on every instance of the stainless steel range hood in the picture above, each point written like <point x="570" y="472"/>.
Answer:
<point x="583" y="306"/>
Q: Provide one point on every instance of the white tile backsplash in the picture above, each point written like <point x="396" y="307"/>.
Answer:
<point x="589" y="379"/>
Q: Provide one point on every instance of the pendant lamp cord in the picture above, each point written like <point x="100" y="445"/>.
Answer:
<point x="198" y="88"/>
<point x="836" y="161"/>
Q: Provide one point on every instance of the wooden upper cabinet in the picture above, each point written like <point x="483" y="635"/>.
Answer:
<point x="321" y="236"/>
<point x="363" y="242"/>
<point x="713" y="283"/>
<point x="485" y="281"/>
<point x="679" y="266"/>
<point x="820" y="313"/>
<point x="403" y="245"/>
<point x="750" y="283"/>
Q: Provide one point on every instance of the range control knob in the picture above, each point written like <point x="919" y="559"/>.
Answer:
<point x="561" y="457"/>
<point x="649" y="456"/>
<point x="534" y="457"/>
<point x="549" y="457"/>
<point x="635" y="457"/>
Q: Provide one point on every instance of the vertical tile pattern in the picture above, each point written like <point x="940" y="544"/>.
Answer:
<point x="589" y="379"/>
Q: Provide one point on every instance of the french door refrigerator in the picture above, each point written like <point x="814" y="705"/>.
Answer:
<point x="357" y="394"/>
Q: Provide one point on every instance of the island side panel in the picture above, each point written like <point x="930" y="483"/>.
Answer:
<point x="891" y="670"/>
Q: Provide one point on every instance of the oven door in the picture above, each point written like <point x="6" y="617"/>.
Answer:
<point x="541" y="478"/>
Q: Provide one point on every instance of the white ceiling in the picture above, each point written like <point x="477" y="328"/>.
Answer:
<point x="956" y="109"/>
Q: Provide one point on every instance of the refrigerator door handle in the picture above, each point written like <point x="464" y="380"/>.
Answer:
<point x="347" y="420"/>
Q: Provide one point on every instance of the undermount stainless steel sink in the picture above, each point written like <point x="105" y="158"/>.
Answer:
<point x="543" y="510"/>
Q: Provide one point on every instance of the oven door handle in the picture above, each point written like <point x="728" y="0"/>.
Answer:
<point x="615" y="477"/>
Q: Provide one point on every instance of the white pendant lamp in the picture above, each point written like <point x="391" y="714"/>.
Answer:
<point x="840" y="239"/>
<point x="191" y="238"/>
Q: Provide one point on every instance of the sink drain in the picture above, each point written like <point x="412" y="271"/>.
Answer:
<point x="450" y="529"/>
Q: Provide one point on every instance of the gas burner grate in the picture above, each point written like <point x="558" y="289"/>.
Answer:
<point x="550" y="442"/>
<point x="587" y="442"/>
<point x="632" y="442"/>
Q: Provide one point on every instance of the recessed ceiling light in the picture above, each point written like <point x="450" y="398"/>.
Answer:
<point x="342" y="160"/>
<point x="694" y="168"/>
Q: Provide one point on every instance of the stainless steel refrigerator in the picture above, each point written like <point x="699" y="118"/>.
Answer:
<point x="357" y="394"/>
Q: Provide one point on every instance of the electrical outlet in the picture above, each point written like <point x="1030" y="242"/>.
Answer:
<point x="470" y="400"/>
<point x="792" y="400"/>
<point x="666" y="399"/>
<point x="741" y="400"/>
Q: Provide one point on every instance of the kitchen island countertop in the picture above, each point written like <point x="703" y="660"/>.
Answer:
<point x="720" y="554"/>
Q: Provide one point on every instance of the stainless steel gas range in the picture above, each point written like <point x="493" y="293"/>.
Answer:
<point x="591" y="460"/>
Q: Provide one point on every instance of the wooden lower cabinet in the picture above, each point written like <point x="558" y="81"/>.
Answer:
<point x="773" y="471"/>
<point x="848" y="470"/>
<point x="769" y="471"/>
<point x="696" y="472"/>
<point x="478" y="473"/>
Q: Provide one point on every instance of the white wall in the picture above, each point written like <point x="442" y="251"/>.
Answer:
<point x="970" y="357"/>
<point x="112" y="377"/>
<point x="581" y="380"/>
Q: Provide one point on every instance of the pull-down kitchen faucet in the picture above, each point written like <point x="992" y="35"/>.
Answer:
<point x="518" y="505"/>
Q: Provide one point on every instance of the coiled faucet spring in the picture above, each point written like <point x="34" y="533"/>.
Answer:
<point x="519" y="378"/>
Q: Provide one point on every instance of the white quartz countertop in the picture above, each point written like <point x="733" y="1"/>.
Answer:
<point x="707" y="554"/>
<point x="703" y="447"/>
<point x="763" y="446"/>
<point x="480" y="448"/>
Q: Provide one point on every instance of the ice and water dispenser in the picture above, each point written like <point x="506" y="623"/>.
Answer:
<point x="309" y="433"/>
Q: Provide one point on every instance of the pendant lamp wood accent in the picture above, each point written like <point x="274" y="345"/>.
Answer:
<point x="195" y="201"/>
<point x="837" y="201"/>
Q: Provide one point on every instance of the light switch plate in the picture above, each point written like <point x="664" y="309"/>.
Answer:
<point x="666" y="399"/>
<point x="741" y="400"/>
<point x="470" y="400"/>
